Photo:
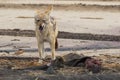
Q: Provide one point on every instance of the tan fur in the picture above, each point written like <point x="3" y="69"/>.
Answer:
<point x="46" y="30"/>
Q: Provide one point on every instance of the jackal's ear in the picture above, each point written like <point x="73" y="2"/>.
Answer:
<point x="49" y="9"/>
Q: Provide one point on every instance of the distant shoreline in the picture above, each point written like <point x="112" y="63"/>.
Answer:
<point x="78" y="6"/>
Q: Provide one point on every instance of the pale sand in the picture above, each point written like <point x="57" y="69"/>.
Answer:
<point x="96" y="22"/>
<point x="29" y="44"/>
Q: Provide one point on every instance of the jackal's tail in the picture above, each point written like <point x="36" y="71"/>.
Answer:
<point x="56" y="44"/>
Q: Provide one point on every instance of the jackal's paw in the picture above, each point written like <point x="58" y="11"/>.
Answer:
<point x="40" y="61"/>
<point x="53" y="58"/>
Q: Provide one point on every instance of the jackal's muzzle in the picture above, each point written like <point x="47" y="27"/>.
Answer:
<point x="41" y="27"/>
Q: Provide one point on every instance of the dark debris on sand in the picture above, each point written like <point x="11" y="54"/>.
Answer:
<point x="68" y="67"/>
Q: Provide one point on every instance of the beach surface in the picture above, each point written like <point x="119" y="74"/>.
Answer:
<point x="100" y="18"/>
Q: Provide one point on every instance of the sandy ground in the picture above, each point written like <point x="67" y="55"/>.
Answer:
<point x="9" y="45"/>
<point x="75" y="21"/>
<point x="69" y="20"/>
<point x="96" y="22"/>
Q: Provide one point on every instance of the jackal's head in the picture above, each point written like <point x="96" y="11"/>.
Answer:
<point x="42" y="19"/>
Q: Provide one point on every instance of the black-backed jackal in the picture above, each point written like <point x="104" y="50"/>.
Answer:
<point x="46" y="30"/>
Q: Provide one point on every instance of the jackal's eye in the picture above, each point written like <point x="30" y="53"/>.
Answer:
<point x="37" y="20"/>
<point x="44" y="21"/>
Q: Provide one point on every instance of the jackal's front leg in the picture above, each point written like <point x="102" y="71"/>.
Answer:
<point x="40" y="48"/>
<point x="52" y="45"/>
<point x="41" y="51"/>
